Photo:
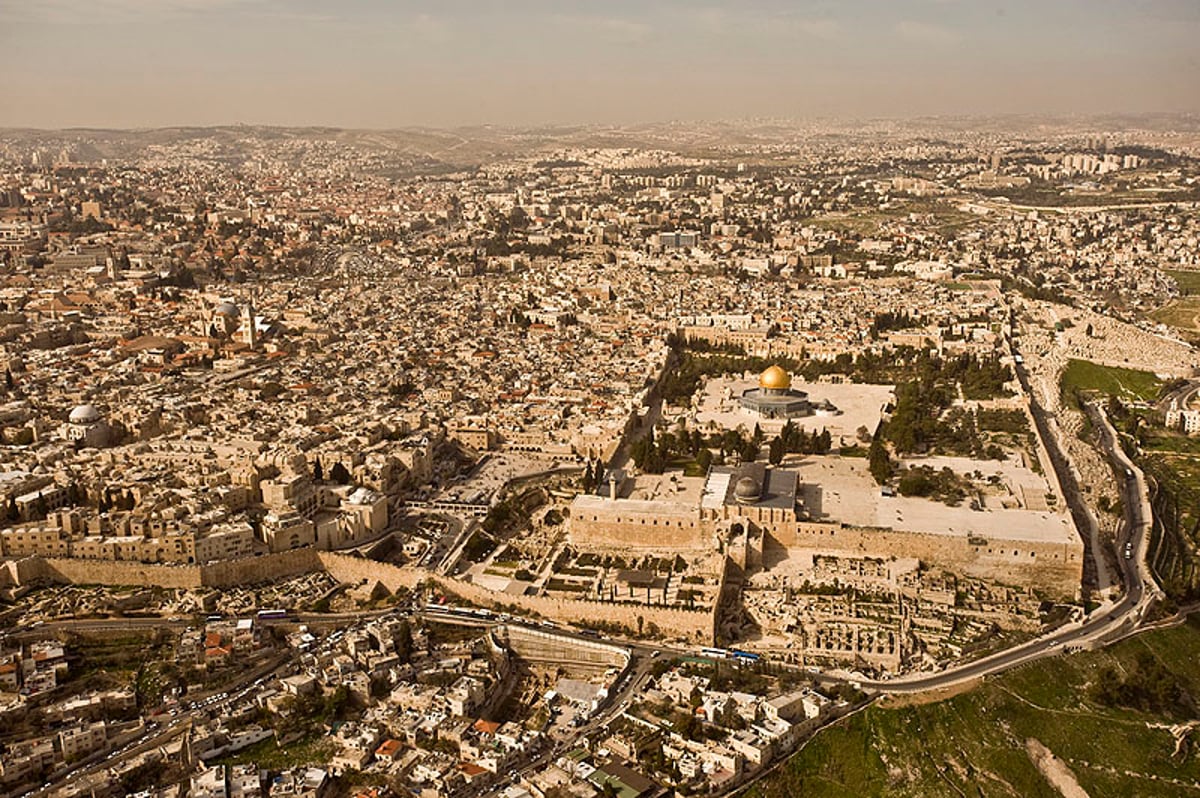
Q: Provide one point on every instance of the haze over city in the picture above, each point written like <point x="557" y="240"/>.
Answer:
<point x="374" y="64"/>
<point x="599" y="399"/>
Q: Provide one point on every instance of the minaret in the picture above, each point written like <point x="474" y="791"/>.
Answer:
<point x="251" y="328"/>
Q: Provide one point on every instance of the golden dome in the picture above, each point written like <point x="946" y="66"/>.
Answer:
<point x="774" y="378"/>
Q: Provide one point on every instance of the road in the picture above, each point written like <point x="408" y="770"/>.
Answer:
<point x="155" y="736"/>
<point x="1181" y="397"/>
<point x="1104" y="625"/>
<point x="1068" y="209"/>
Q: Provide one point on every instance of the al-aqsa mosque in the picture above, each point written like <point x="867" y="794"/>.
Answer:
<point x="775" y="398"/>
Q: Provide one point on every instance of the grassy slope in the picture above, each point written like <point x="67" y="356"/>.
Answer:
<point x="1189" y="281"/>
<point x="973" y="744"/>
<point x="1121" y="382"/>
<point x="1184" y="313"/>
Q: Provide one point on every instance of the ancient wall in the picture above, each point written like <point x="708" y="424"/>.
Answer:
<point x="693" y="625"/>
<point x="622" y="526"/>
<point x="1054" y="568"/>
<point x="22" y="571"/>
<point x="226" y="573"/>
<point x="355" y="570"/>
<point x="269" y="567"/>
<point x="115" y="572"/>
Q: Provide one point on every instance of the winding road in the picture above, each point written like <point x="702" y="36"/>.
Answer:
<point x="1106" y="624"/>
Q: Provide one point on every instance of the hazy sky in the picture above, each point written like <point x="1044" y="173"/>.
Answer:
<point x="393" y="63"/>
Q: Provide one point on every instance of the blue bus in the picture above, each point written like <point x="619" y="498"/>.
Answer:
<point x="745" y="655"/>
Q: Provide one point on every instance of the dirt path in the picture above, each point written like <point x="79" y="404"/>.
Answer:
<point x="1054" y="769"/>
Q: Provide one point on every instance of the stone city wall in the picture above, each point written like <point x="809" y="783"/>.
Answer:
<point x="225" y="573"/>
<point x="22" y="571"/>
<point x="76" y="571"/>
<point x="1055" y="568"/>
<point x="696" y="625"/>
<point x="355" y="570"/>
<point x="623" y="527"/>
<point x="267" y="568"/>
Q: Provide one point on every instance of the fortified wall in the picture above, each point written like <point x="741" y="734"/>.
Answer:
<point x="695" y="625"/>
<point x="225" y="573"/>
<point x="604" y="523"/>
<point x="1055" y="567"/>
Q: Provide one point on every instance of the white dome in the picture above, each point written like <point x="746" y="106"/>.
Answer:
<point x="84" y="414"/>
<point x="226" y="309"/>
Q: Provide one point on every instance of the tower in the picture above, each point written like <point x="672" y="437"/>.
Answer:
<point x="249" y="325"/>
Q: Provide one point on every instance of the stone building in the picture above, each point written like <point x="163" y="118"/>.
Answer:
<point x="743" y="509"/>
<point x="775" y="398"/>
<point x="86" y="427"/>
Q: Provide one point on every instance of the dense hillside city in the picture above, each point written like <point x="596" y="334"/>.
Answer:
<point x="601" y="460"/>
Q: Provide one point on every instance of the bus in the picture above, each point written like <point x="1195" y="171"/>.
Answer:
<point x="715" y="652"/>
<point x="746" y="656"/>
<point x="272" y="615"/>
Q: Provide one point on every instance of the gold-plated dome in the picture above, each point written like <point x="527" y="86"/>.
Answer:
<point x="775" y="378"/>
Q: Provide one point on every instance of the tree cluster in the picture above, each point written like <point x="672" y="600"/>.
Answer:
<point x="944" y="485"/>
<point x="1149" y="686"/>
<point x="888" y="321"/>
<point x="879" y="460"/>
<point x="654" y="452"/>
<point x="593" y="474"/>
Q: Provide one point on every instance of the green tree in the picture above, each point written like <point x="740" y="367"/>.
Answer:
<point x="879" y="461"/>
<point x="775" y="453"/>
<point x="404" y="641"/>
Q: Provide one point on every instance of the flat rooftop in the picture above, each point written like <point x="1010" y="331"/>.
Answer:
<point x="778" y="486"/>
<point x="670" y="486"/>
<point x="585" y="502"/>
<point x="841" y="489"/>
